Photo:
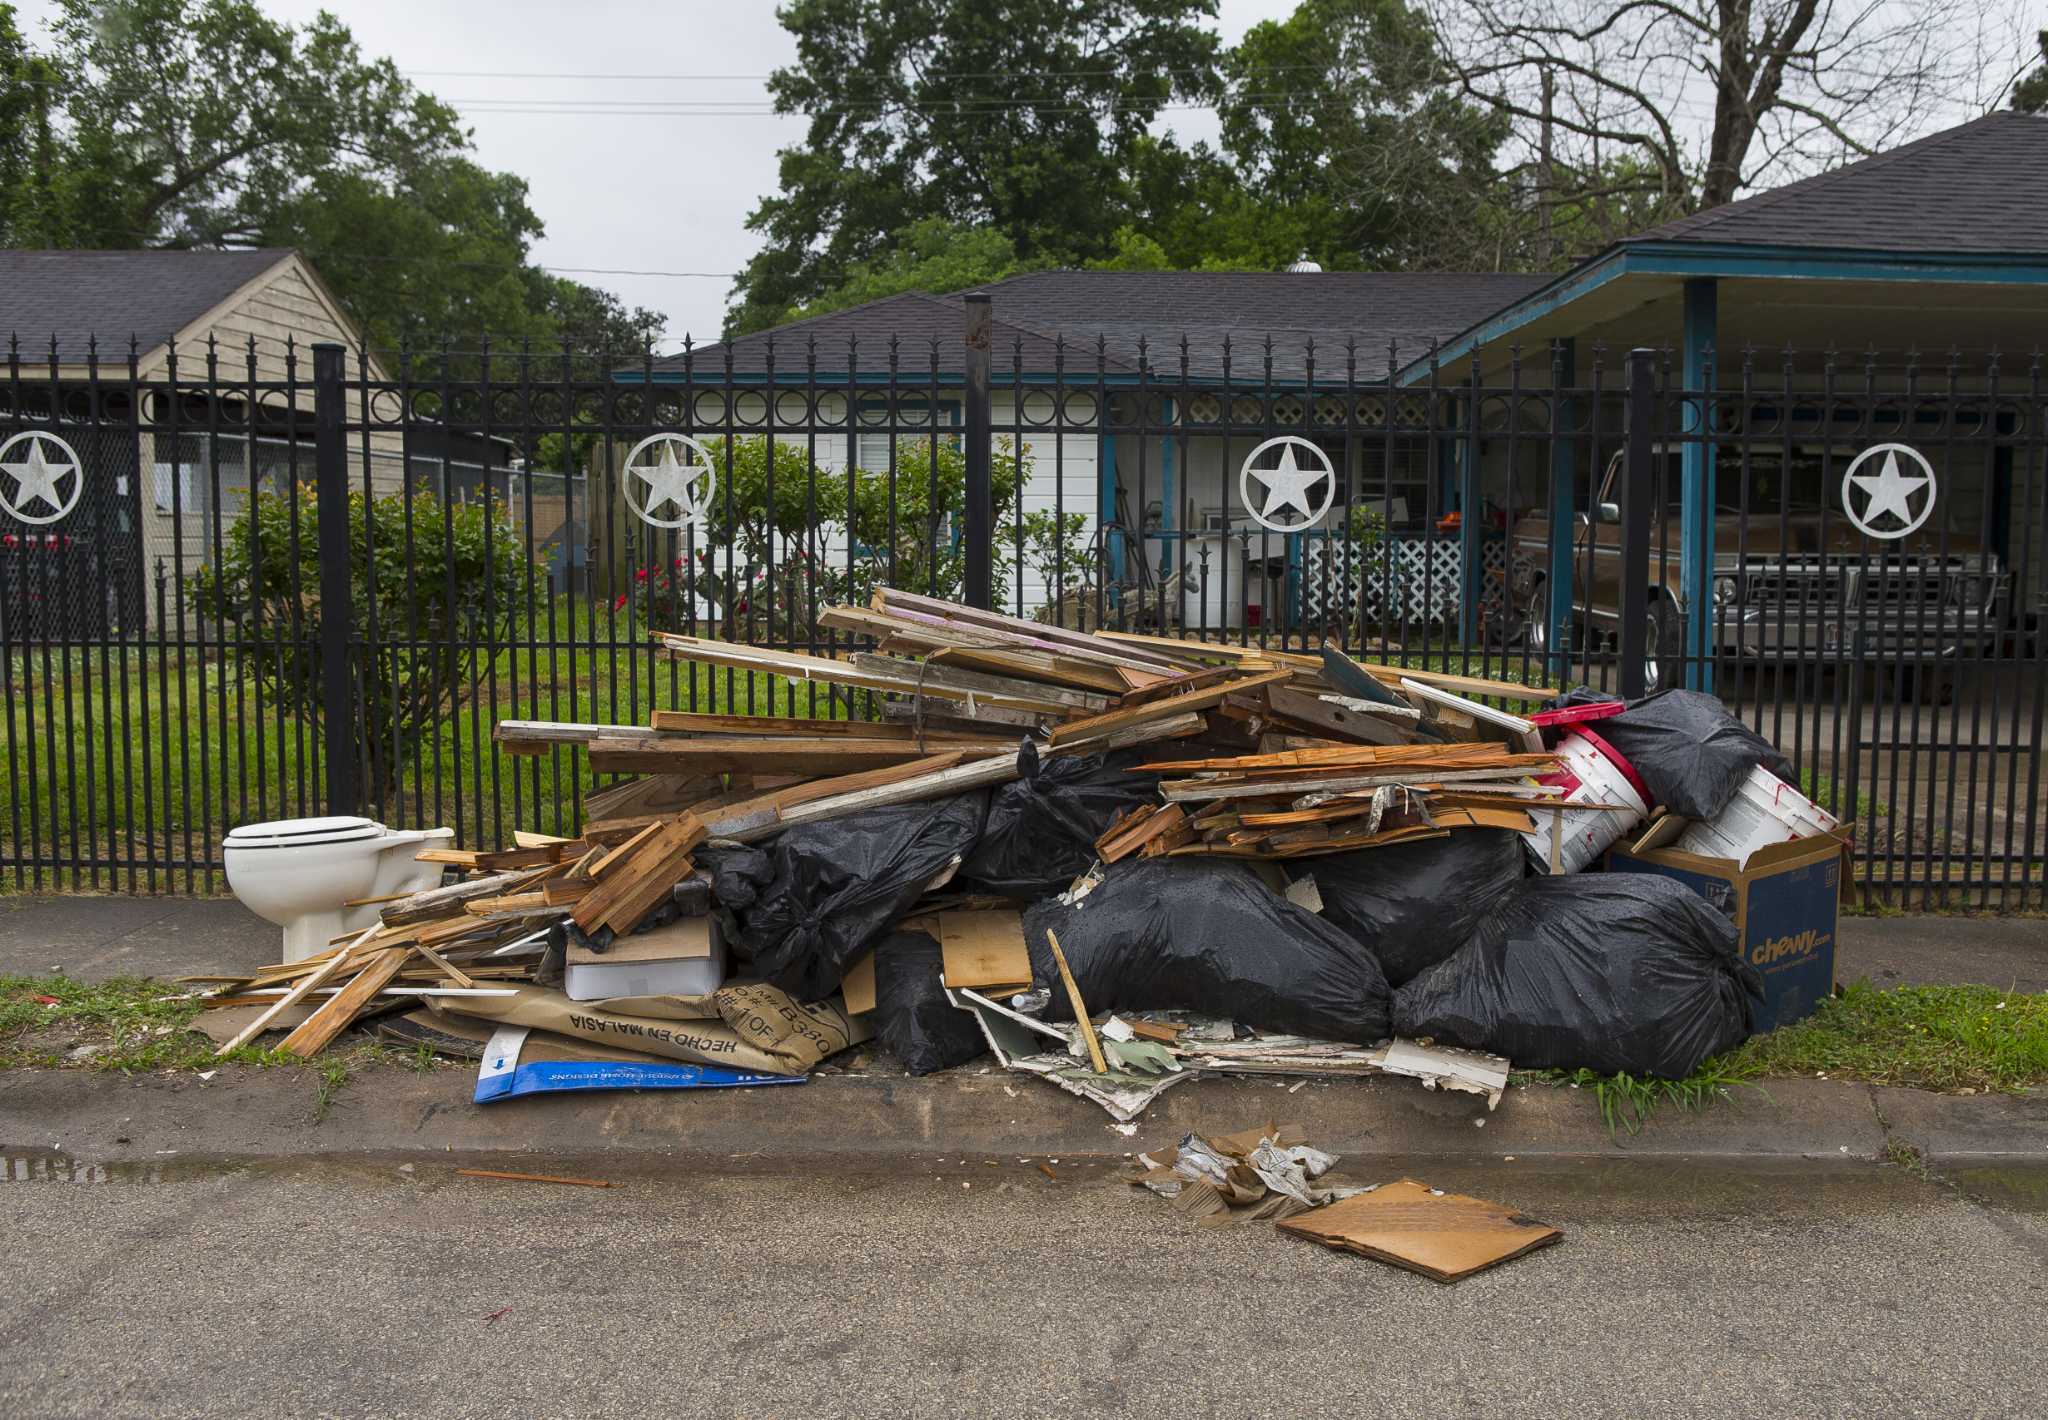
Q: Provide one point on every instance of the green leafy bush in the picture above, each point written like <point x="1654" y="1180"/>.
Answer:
<point x="446" y="583"/>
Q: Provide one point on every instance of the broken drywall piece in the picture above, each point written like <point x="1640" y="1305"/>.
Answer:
<point x="1017" y="1043"/>
<point x="1444" y="1236"/>
<point x="1448" y="1067"/>
<point x="1304" y="893"/>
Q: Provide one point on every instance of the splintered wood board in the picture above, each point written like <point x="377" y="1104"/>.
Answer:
<point x="983" y="949"/>
<point x="1172" y="705"/>
<point x="825" y="754"/>
<point x="1444" y="1236"/>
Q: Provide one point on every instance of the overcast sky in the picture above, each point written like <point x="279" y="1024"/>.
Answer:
<point x="667" y="193"/>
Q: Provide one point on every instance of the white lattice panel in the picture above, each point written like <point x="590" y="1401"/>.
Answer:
<point x="1407" y="579"/>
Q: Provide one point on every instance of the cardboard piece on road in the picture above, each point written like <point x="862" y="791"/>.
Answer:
<point x="1443" y="1236"/>
<point x="759" y="1029"/>
<point x="983" y="951"/>
<point x="858" y="988"/>
<point x="224" y="1023"/>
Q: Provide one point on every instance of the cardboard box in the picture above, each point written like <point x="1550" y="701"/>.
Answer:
<point x="1786" y="901"/>
<point x="685" y="958"/>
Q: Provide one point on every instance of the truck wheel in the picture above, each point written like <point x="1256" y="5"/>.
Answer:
<point x="1663" y="647"/>
<point x="1536" y="622"/>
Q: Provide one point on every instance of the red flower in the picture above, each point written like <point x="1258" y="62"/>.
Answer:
<point x="620" y="602"/>
<point x="641" y="575"/>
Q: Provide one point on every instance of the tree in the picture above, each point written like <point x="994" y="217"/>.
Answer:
<point x="2030" y="94"/>
<point x="932" y="255"/>
<point x="1343" y="122"/>
<point x="28" y="85"/>
<point x="1021" y="118"/>
<point x="456" y="590"/>
<point x="207" y="124"/>
<point x="1709" y="98"/>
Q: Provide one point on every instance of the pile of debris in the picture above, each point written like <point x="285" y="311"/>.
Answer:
<point x="995" y="864"/>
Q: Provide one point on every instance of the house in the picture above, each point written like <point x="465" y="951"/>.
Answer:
<point x="97" y="340"/>
<point x="1938" y="247"/>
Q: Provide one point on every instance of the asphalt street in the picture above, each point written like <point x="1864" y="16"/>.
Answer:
<point x="980" y="1286"/>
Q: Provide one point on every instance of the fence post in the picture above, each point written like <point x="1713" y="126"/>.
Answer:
<point x="981" y="519"/>
<point x="1638" y="490"/>
<point x="337" y="629"/>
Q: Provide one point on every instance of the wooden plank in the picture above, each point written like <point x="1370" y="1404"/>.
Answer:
<point x="1098" y="725"/>
<point x="1391" y="677"/>
<point x="655" y="794"/>
<point x="1041" y="666"/>
<point x="971" y="775"/>
<point x="1165" y="821"/>
<point x="729" y="821"/>
<point x="1078" y="642"/>
<point x="454" y="973"/>
<point x="1175" y="685"/>
<point x="692" y="722"/>
<point x="983" y="949"/>
<point x="531" y="737"/>
<point x="820" y="668"/>
<point x="829" y="754"/>
<point x="1080" y="1007"/>
<point x="285" y="1002"/>
<point x="1172" y="728"/>
<point x="338" y="1010"/>
<point x="1319" y="716"/>
<point x="614" y="854"/>
<point x="1177" y="790"/>
<point x="439" y="902"/>
<point x="1212" y="650"/>
<point x="928" y="674"/>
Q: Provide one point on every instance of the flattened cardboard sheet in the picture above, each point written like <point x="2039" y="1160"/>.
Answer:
<point x="1444" y="1236"/>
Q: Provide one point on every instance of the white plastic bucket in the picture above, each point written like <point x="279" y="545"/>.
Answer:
<point x="1765" y="810"/>
<point x="1591" y="772"/>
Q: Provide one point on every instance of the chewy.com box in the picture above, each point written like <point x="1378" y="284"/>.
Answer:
<point x="1786" y="900"/>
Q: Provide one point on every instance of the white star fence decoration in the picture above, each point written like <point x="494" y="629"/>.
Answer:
<point x="35" y="477"/>
<point x="1888" y="493"/>
<point x="1287" y="484"/>
<point x="684" y="484"/>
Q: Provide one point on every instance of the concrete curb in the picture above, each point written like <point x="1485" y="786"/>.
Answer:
<point x="259" y="1114"/>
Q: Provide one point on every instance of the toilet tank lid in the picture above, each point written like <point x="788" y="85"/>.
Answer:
<point x="340" y="829"/>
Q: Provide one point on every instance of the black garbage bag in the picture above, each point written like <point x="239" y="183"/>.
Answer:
<point x="1691" y="754"/>
<point x="1042" y="828"/>
<point x="1208" y="936"/>
<point x="1413" y="904"/>
<point x="1609" y="971"/>
<point x="912" y="1015"/>
<point x="813" y="899"/>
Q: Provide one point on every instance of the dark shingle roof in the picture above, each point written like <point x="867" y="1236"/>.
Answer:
<point x="1977" y="188"/>
<point x="1296" y="310"/>
<point x="151" y="295"/>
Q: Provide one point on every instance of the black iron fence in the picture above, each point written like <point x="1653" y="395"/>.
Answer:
<point x="276" y="582"/>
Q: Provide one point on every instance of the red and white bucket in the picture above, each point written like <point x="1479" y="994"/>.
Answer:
<point x="1764" y="811"/>
<point x="1591" y="771"/>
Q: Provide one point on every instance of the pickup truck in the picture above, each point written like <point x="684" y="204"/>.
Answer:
<point x="1793" y="578"/>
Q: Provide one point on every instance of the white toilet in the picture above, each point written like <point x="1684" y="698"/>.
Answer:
<point x="298" y="872"/>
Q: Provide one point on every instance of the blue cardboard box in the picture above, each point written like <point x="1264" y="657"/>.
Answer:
<point x="1786" y="901"/>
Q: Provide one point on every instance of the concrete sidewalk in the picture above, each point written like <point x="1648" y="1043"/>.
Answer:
<point x="97" y="937"/>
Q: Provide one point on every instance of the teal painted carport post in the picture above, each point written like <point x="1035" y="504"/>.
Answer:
<point x="1564" y="472"/>
<point x="1471" y="525"/>
<point x="1696" y="518"/>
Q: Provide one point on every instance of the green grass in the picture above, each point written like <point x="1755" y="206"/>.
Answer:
<point x="134" y="1023"/>
<point x="1829" y="795"/>
<point x="1948" y="1038"/>
<point x="128" y="755"/>
<point x="1921" y="1037"/>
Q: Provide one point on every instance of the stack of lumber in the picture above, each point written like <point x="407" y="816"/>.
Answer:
<point x="477" y="936"/>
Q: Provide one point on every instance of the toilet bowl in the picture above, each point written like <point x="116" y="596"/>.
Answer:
<point x="300" y="873"/>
